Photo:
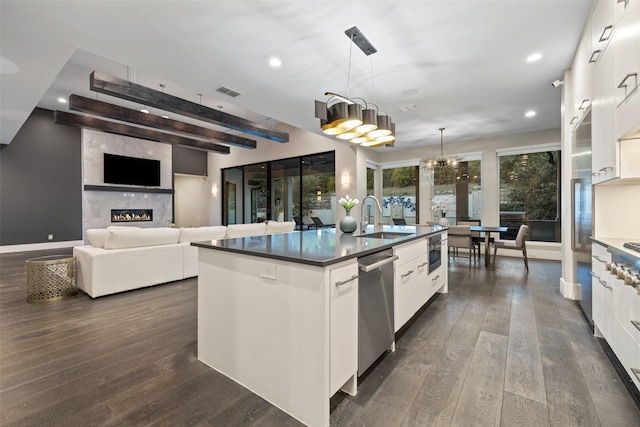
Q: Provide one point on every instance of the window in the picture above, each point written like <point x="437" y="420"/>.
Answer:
<point x="460" y="190"/>
<point x="290" y="189"/>
<point x="399" y="194"/>
<point x="530" y="194"/>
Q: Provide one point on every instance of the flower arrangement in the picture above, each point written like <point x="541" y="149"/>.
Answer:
<point x="348" y="203"/>
<point x="441" y="204"/>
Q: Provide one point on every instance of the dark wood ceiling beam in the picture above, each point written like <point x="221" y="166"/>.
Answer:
<point x="117" y="112"/>
<point x="93" y="123"/>
<point x="109" y="85"/>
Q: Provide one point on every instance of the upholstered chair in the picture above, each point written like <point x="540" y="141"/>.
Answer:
<point x="459" y="237"/>
<point x="518" y="244"/>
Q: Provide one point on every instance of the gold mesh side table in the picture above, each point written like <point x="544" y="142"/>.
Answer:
<point x="50" y="278"/>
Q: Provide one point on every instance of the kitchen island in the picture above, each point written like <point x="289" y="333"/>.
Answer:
<point x="279" y="313"/>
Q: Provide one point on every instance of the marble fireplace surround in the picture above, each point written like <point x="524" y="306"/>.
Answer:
<point x="99" y="199"/>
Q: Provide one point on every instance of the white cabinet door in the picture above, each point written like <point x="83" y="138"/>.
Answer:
<point x="602" y="27"/>
<point x="627" y="49"/>
<point x="407" y="293"/>
<point x="628" y="352"/>
<point x="344" y="325"/>
<point x="603" y="131"/>
<point x="608" y="315"/>
<point x="581" y="82"/>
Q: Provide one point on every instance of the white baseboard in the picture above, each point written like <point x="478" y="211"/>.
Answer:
<point x="39" y="246"/>
<point x="570" y="290"/>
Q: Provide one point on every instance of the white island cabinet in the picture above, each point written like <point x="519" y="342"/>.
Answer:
<point x="278" y="313"/>
<point x="290" y="337"/>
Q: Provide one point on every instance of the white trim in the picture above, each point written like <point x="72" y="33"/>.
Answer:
<point x="402" y="164"/>
<point x="570" y="290"/>
<point x="39" y="246"/>
<point x="529" y="149"/>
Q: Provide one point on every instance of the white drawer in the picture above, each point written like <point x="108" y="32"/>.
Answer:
<point x="599" y="255"/>
<point x="410" y="250"/>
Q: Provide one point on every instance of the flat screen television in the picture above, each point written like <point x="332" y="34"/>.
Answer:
<point x="131" y="171"/>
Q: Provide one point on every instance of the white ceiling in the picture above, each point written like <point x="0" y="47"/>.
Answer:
<point x="454" y="64"/>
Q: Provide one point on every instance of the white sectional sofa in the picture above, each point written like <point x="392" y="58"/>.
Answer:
<point x="121" y="258"/>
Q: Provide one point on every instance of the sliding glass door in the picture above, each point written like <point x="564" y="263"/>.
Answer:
<point x="297" y="188"/>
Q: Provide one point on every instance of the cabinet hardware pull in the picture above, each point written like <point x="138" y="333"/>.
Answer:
<point x="423" y="264"/>
<point x="636" y="372"/>
<point x="595" y="275"/>
<point x="436" y="278"/>
<point x="636" y="323"/>
<point x="604" y="284"/>
<point x="584" y="104"/>
<point x="574" y="119"/>
<point x="407" y="273"/>
<point x="606" y="168"/>
<point x="342" y="282"/>
<point x="594" y="56"/>
<point x="371" y="267"/>
<point x="623" y="83"/>
<point x="597" y="258"/>
<point x="606" y="33"/>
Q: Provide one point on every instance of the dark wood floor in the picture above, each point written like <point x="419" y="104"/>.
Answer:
<point x="502" y="348"/>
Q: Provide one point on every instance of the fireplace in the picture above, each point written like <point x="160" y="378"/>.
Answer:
<point x="131" y="215"/>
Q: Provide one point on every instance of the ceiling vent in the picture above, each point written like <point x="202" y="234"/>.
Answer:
<point x="228" y="91"/>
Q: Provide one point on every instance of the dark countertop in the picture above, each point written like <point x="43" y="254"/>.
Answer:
<point x="321" y="247"/>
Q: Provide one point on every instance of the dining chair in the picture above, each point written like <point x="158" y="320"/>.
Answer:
<point x="459" y="237"/>
<point x="399" y="221"/>
<point x="518" y="244"/>
<point x="475" y="235"/>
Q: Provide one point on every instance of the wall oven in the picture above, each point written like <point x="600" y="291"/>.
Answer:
<point x="435" y="254"/>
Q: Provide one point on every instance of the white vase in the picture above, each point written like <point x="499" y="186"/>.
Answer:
<point x="443" y="221"/>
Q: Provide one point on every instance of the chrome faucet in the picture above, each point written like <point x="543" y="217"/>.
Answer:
<point x="363" y="218"/>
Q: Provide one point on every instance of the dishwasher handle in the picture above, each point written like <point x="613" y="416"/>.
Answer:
<point x="371" y="267"/>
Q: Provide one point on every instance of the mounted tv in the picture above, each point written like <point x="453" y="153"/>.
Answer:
<point x="131" y="171"/>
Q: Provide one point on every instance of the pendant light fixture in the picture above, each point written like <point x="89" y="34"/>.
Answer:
<point x="354" y="119"/>
<point x="441" y="162"/>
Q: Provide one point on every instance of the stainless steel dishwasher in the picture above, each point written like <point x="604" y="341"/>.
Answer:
<point x="375" y="307"/>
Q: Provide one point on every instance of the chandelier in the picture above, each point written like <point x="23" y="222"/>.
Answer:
<point x="354" y="119"/>
<point x="441" y="162"/>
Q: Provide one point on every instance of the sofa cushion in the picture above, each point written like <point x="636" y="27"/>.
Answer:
<point x="120" y="239"/>
<point x="97" y="236"/>
<point x="245" y="230"/>
<point x="197" y="234"/>
<point x="274" y="227"/>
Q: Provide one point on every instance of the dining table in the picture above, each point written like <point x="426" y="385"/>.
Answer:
<point x="487" y="230"/>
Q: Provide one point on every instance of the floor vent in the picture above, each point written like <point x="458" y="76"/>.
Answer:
<point x="229" y="92"/>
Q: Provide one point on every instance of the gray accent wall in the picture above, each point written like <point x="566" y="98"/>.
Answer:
<point x="189" y="161"/>
<point x="41" y="183"/>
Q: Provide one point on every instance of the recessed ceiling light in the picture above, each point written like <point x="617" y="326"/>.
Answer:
<point x="534" y="57"/>
<point x="530" y="113"/>
<point x="165" y="117"/>
<point x="144" y="110"/>
<point x="275" y="62"/>
<point x="62" y="100"/>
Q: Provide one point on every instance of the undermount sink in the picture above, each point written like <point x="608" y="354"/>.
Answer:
<point x="384" y="235"/>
